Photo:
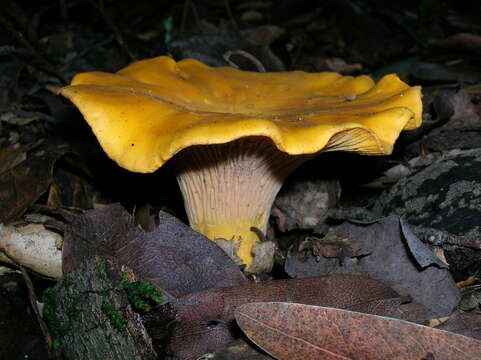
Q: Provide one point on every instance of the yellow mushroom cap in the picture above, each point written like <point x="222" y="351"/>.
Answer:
<point x="153" y="109"/>
<point x="147" y="112"/>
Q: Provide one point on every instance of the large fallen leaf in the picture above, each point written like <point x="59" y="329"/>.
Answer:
<point x="204" y="321"/>
<point x="22" y="185"/>
<point x="386" y="250"/>
<point x="173" y="257"/>
<point x="304" y="332"/>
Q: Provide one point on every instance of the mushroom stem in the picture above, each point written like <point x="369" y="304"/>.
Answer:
<point x="229" y="188"/>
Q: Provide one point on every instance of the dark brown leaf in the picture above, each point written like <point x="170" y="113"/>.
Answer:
<point x="465" y="113"/>
<point x="11" y="156"/>
<point x="21" y="186"/>
<point x="457" y="123"/>
<point x="421" y="253"/>
<point x="462" y="42"/>
<point x="204" y="321"/>
<point x="303" y="332"/>
<point x="467" y="324"/>
<point x="437" y="72"/>
<point x="69" y="190"/>
<point x="388" y="252"/>
<point x="173" y="257"/>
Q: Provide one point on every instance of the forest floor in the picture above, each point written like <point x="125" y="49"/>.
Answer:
<point x="425" y="197"/>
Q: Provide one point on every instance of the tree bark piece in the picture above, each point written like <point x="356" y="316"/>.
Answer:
<point x="90" y="317"/>
<point x="444" y="196"/>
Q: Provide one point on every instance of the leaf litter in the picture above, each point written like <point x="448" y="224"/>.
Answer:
<point x="438" y="48"/>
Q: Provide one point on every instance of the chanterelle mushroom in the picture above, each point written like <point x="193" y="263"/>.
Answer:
<point x="237" y="134"/>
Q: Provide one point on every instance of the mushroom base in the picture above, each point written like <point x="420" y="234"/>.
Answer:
<point x="239" y="233"/>
<point x="229" y="188"/>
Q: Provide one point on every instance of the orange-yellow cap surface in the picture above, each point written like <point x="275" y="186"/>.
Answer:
<point x="149" y="111"/>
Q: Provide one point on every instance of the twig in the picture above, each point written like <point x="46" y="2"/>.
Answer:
<point x="11" y="50"/>
<point x="45" y="220"/>
<point x="297" y="54"/>
<point x="185" y="11"/>
<point x="259" y="233"/>
<point x="30" y="114"/>
<point x="245" y="54"/>
<point x="33" y="302"/>
<point x="231" y="17"/>
<point x="353" y="213"/>
<point x="440" y="237"/>
<point x="117" y="34"/>
<point x="63" y="9"/>
<point x="87" y="49"/>
<point x="196" y="15"/>
<point x="17" y="34"/>
<point x="43" y="63"/>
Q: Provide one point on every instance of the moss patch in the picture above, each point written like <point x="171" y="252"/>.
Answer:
<point x="117" y="321"/>
<point x="50" y="312"/>
<point x="142" y="295"/>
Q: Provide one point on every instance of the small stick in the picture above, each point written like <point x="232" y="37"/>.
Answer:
<point x="185" y="11"/>
<point x="441" y="237"/>
<point x="245" y="54"/>
<point x="43" y="63"/>
<point x="196" y="15"/>
<point x="259" y="233"/>
<point x="33" y="302"/>
<point x="229" y="13"/>
<point x="117" y="34"/>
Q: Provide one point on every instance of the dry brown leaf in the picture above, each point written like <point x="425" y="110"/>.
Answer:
<point x="172" y="256"/>
<point x="22" y="185"/>
<point x="204" y="321"/>
<point x="291" y="331"/>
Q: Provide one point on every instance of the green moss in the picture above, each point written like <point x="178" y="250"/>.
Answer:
<point x="114" y="316"/>
<point x="50" y="302"/>
<point x="123" y="279"/>
<point x="51" y="308"/>
<point x="142" y="294"/>
<point x="50" y="312"/>
<point x="73" y="311"/>
<point x="102" y="266"/>
<point x="56" y="344"/>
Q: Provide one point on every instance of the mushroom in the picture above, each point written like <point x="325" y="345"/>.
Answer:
<point x="236" y="135"/>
